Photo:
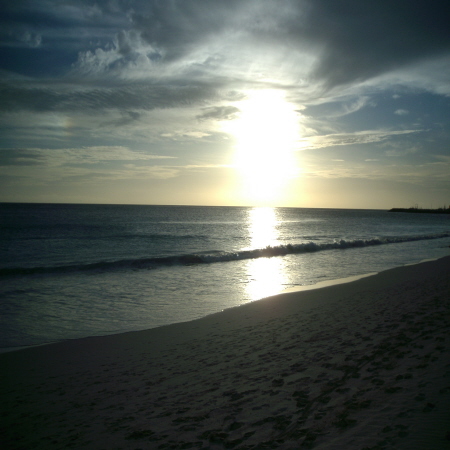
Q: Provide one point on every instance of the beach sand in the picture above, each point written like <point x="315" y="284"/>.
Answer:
<point x="362" y="365"/>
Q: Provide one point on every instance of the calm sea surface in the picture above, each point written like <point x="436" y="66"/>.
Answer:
<point x="69" y="271"/>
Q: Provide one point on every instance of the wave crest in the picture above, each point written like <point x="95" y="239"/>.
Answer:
<point x="215" y="257"/>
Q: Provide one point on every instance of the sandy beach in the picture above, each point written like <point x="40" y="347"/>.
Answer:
<point x="361" y="365"/>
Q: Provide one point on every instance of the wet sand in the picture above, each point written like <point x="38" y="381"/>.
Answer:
<point x="359" y="365"/>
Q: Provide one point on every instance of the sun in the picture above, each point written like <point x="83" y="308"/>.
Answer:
<point x="266" y="134"/>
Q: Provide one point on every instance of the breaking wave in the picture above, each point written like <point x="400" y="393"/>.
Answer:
<point x="215" y="256"/>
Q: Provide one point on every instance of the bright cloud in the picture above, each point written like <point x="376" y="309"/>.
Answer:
<point x="361" y="137"/>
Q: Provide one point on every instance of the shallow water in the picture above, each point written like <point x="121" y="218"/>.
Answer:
<point x="71" y="271"/>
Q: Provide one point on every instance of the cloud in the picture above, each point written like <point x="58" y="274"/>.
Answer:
<point x="361" y="137"/>
<point x="340" y="106"/>
<point x="21" y="157"/>
<point x="72" y="156"/>
<point x="62" y="22"/>
<point x="86" y="165"/>
<point x="138" y="172"/>
<point x="64" y="97"/>
<point x="174" y="27"/>
<point x="128" y="56"/>
<point x="397" y="151"/>
<point x="152" y="54"/>
<point x="431" y="75"/>
<point x="401" y="112"/>
<point x="31" y="39"/>
<point x="376" y="170"/>
<point x="351" y="41"/>
<point x="218" y="113"/>
<point x="363" y="39"/>
<point x="84" y="175"/>
<point x="127" y="117"/>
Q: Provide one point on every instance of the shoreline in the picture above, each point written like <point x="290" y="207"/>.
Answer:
<point x="290" y="290"/>
<point x="350" y="365"/>
<point x="302" y="288"/>
<point x="307" y="287"/>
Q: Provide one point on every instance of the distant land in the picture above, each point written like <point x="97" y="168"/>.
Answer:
<point x="443" y="210"/>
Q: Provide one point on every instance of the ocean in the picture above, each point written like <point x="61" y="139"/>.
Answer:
<point x="69" y="271"/>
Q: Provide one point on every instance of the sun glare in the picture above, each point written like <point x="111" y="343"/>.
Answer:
<point x="266" y="134"/>
<point x="263" y="222"/>
<point x="266" y="276"/>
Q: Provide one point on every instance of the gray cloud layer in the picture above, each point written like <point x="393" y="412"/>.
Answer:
<point x="182" y="47"/>
<point x="363" y="39"/>
<point x="40" y="97"/>
<point x="356" y="40"/>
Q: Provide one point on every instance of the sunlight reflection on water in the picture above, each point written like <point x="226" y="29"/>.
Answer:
<point x="266" y="276"/>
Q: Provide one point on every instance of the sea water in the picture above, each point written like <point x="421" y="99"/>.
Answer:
<point x="70" y="271"/>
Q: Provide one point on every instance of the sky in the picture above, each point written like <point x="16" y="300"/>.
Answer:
<point x="301" y="103"/>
